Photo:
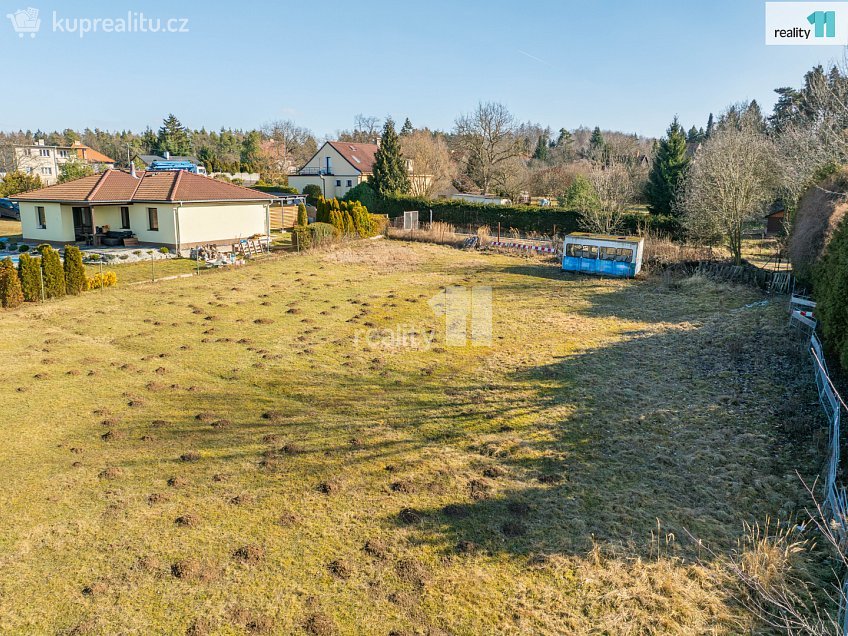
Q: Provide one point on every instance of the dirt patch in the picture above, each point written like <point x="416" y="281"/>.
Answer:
<point x="192" y="570"/>
<point x="319" y="624"/>
<point x="327" y="487"/>
<point x="402" y="486"/>
<point x="339" y="568"/>
<point x="513" y="529"/>
<point x="177" y="482"/>
<point x="288" y="519"/>
<point x="251" y="554"/>
<point x="409" y="516"/>
<point x="411" y="571"/>
<point x="263" y="321"/>
<point x="479" y="489"/>
<point x="187" y="521"/>
<point x="455" y="511"/>
<point x="376" y="548"/>
<point x="111" y="472"/>
<point x="111" y="436"/>
<point x="191" y="456"/>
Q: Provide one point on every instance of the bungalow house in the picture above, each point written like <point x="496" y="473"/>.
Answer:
<point x="176" y="209"/>
<point x="339" y="166"/>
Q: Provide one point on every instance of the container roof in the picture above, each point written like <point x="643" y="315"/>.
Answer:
<point x="606" y="237"/>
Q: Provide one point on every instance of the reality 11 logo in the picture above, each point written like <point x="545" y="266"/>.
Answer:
<point x="825" y="23"/>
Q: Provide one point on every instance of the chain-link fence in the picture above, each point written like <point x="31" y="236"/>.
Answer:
<point x="802" y="317"/>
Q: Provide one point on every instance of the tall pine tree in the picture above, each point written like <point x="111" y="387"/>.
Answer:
<point x="173" y="137"/>
<point x="407" y="128"/>
<point x="710" y="126"/>
<point x="597" y="146"/>
<point x="390" y="176"/>
<point x="670" y="162"/>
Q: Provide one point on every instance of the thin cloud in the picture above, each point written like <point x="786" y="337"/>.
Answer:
<point x="533" y="57"/>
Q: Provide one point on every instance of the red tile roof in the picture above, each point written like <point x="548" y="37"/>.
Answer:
<point x="119" y="186"/>
<point x="90" y="154"/>
<point x="360" y="156"/>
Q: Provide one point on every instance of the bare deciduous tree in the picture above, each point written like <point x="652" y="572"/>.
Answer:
<point x="293" y="143"/>
<point x="733" y="178"/>
<point x="432" y="166"/>
<point x="614" y="189"/>
<point x="487" y="140"/>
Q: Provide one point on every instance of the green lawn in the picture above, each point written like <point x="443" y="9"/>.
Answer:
<point x="145" y="271"/>
<point x="232" y="454"/>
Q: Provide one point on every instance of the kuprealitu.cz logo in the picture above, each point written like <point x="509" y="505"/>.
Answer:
<point x="28" y="22"/>
<point x="807" y="23"/>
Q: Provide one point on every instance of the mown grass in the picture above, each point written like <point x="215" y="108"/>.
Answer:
<point x="230" y="454"/>
<point x="10" y="228"/>
<point x="142" y="271"/>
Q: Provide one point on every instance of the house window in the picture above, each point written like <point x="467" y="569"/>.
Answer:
<point x="338" y="183"/>
<point x="63" y="154"/>
<point x="125" y="218"/>
<point x="47" y="171"/>
<point x="44" y="152"/>
<point x="349" y="183"/>
<point x="40" y="217"/>
<point x="153" y="219"/>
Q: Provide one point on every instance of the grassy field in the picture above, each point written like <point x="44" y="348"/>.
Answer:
<point x="232" y="453"/>
<point x="10" y="228"/>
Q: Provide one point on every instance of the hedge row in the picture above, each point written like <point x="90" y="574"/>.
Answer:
<point x="830" y="286"/>
<point x="524" y="218"/>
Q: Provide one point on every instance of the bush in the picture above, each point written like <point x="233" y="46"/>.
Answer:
<point x="74" y="270"/>
<point x="2" y="245"/>
<point x="323" y="233"/>
<point x="11" y="294"/>
<point x="364" y="194"/>
<point x="302" y="217"/>
<point x="830" y="284"/>
<point x="379" y="223"/>
<point x="23" y="248"/>
<point x="349" y="227"/>
<point x="29" y="272"/>
<point x="301" y="237"/>
<point x="524" y="218"/>
<point x="98" y="281"/>
<point x="51" y="269"/>
<point x="164" y="250"/>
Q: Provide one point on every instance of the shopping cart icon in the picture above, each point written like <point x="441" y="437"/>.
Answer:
<point x="25" y="21"/>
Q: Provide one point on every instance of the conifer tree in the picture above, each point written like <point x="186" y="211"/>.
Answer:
<point x="74" y="270"/>
<point x="51" y="269"/>
<point x="349" y="227"/>
<point x="710" y="126"/>
<point x="598" y="150"/>
<point x="173" y="137"/>
<point x="302" y="218"/>
<point x="407" y="128"/>
<point x="29" y="271"/>
<point x="11" y="294"/>
<point x="390" y="176"/>
<point x="667" y="171"/>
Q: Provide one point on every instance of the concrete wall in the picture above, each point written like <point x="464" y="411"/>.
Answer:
<point x="60" y="222"/>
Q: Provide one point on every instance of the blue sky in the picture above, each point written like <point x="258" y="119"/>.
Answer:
<point x="618" y="64"/>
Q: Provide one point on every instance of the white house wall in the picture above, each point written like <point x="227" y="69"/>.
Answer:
<point x="217" y="223"/>
<point x="60" y="225"/>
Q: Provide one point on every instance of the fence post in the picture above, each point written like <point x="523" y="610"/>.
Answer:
<point x="499" y="231"/>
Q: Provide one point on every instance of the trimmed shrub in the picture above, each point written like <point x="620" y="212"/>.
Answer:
<point x="379" y="223"/>
<point x="164" y="250"/>
<point x="29" y="272"/>
<point x="98" y="281"/>
<point x="323" y="233"/>
<point x="51" y="268"/>
<point x="349" y="228"/>
<point x="23" y="248"/>
<point x="75" y="282"/>
<point x="301" y="237"/>
<point x="302" y="217"/>
<point x="830" y="284"/>
<point x="11" y="294"/>
<point x="337" y="220"/>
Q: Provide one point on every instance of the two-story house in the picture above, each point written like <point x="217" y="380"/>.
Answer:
<point x="46" y="161"/>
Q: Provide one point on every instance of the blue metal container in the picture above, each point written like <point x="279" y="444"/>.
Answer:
<point x="602" y="254"/>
